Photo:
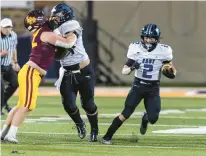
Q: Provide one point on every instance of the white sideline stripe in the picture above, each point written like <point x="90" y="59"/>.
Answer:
<point x="126" y="146"/>
<point x="199" y="130"/>
<point x="42" y="121"/>
<point x="107" y="124"/>
<point x="129" y="134"/>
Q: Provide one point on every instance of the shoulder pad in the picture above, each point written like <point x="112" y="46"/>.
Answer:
<point x="135" y="43"/>
<point x="69" y="26"/>
<point x="164" y="45"/>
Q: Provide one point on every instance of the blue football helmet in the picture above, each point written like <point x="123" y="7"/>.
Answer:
<point x="60" y="14"/>
<point x="151" y="31"/>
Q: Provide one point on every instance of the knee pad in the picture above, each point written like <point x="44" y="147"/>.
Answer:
<point x="127" y="112"/>
<point x="70" y="109"/>
<point x="90" y="109"/>
<point x="153" y="119"/>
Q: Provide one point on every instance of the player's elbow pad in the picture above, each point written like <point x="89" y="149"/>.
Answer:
<point x="66" y="45"/>
<point x="126" y="71"/>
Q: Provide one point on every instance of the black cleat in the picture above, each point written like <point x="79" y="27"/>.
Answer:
<point x="144" y="124"/>
<point x="81" y="128"/>
<point x="8" y="108"/>
<point x="106" y="141"/>
<point x="93" y="136"/>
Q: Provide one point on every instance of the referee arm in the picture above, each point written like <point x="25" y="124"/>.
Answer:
<point x="15" y="64"/>
<point x="4" y="53"/>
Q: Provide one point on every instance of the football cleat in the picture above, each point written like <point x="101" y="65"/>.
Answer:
<point x="106" y="141"/>
<point x="11" y="139"/>
<point x="93" y="136"/>
<point x="81" y="128"/>
<point x="144" y="124"/>
<point x="8" y="108"/>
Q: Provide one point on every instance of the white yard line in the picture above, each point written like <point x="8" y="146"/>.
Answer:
<point x="132" y="125"/>
<point x="126" y="134"/>
<point x="126" y="146"/>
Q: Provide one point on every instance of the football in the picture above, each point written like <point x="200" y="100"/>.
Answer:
<point x="60" y="53"/>
<point x="169" y="71"/>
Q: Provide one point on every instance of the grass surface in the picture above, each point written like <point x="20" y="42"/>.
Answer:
<point x="51" y="132"/>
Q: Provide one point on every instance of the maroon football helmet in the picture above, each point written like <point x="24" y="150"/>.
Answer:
<point x="34" y="20"/>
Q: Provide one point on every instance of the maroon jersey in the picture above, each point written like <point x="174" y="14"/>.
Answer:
<point x="42" y="53"/>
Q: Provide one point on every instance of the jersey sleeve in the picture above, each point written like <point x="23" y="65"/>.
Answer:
<point x="15" y="39"/>
<point x="70" y="26"/>
<point x="131" y="52"/>
<point x="56" y="31"/>
<point x="168" y="54"/>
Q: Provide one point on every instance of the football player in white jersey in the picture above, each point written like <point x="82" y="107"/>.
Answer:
<point x="76" y="73"/>
<point x="147" y="57"/>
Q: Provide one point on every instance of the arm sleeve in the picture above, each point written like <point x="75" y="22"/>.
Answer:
<point x="15" y="39"/>
<point x="129" y="62"/>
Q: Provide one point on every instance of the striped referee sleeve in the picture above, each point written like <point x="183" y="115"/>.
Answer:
<point x="8" y="43"/>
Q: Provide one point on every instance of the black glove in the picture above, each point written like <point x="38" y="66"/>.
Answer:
<point x="135" y="65"/>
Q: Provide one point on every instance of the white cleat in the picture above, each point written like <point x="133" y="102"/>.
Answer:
<point x="11" y="139"/>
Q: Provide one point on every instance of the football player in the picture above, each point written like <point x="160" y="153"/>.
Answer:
<point x="147" y="58"/>
<point x="42" y="54"/>
<point x="76" y="74"/>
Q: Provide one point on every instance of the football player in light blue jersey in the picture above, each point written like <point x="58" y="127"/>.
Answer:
<point x="147" y="57"/>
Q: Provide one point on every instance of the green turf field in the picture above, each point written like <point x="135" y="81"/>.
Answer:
<point x="48" y="131"/>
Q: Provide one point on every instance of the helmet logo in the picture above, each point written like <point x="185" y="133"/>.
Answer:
<point x="30" y="20"/>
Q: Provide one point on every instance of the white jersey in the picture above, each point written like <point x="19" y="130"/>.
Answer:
<point x="150" y="62"/>
<point x="79" y="50"/>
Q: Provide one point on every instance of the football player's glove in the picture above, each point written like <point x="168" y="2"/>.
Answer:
<point x="169" y="71"/>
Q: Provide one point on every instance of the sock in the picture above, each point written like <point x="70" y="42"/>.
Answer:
<point x="76" y="117"/>
<point x="12" y="131"/>
<point x="4" y="130"/>
<point x="113" y="128"/>
<point x="93" y="120"/>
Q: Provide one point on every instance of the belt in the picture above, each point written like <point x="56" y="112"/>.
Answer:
<point x="75" y="71"/>
<point x="147" y="82"/>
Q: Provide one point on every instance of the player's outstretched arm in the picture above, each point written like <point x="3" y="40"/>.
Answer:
<point x="54" y="39"/>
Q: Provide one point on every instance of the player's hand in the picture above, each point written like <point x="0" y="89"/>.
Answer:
<point x="169" y="71"/>
<point x="16" y="66"/>
<point x="4" y="53"/>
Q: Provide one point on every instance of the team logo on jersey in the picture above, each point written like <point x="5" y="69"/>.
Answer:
<point x="31" y="20"/>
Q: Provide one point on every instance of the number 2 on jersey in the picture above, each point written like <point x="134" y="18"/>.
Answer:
<point x="147" y="68"/>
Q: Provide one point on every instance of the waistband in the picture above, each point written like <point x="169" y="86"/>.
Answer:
<point x="27" y="66"/>
<point x="147" y="82"/>
<point x="74" y="67"/>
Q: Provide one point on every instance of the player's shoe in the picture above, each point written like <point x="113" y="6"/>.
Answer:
<point x="11" y="139"/>
<point x="106" y="141"/>
<point x="144" y="124"/>
<point x="8" y="108"/>
<point x="81" y="128"/>
<point x="93" y="136"/>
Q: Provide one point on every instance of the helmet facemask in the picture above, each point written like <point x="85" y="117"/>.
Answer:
<point x="149" y="42"/>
